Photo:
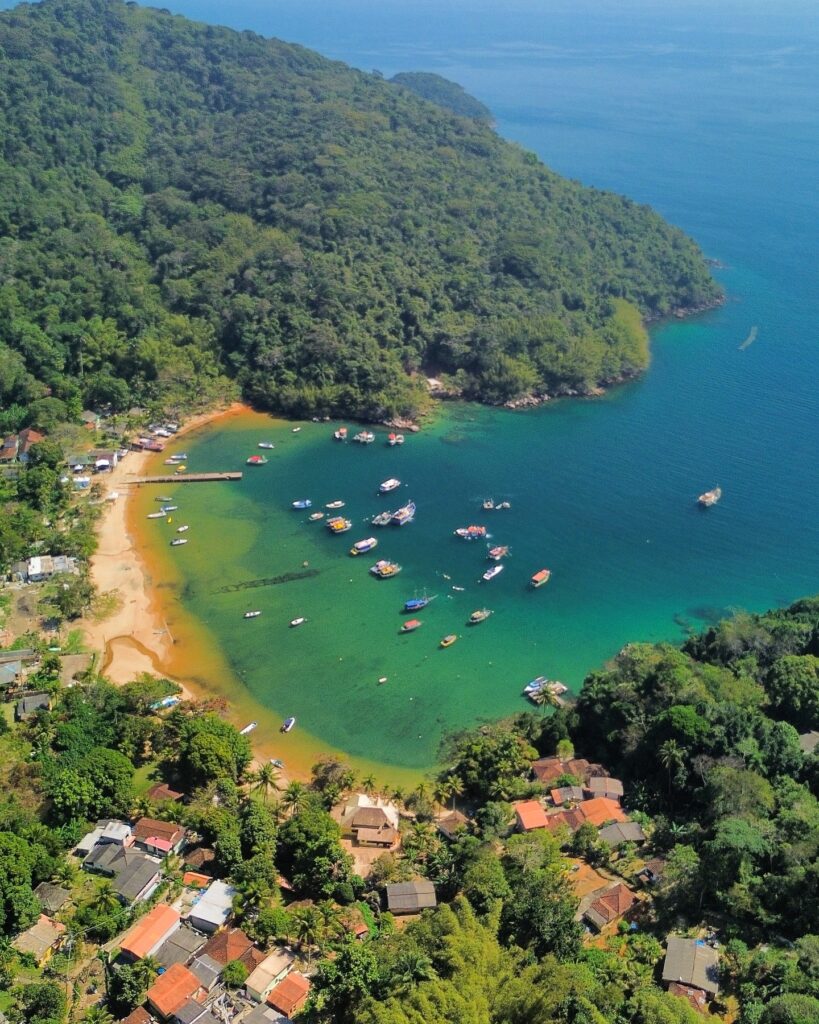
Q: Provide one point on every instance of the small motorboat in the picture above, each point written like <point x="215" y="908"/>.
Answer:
<point x="361" y="546"/>
<point x="502" y="505"/>
<point x="178" y="542"/>
<point x="384" y="569"/>
<point x="168" y="508"/>
<point x="256" y="460"/>
<point x="488" y="504"/>
<point x="394" y="439"/>
<point x="459" y="589"/>
<point x="492" y="572"/>
<point x="302" y="503"/>
<point x="267" y="445"/>
<point x="296" y="430"/>
<point x="410" y="625"/>
<point x="389" y="485"/>
<point x="163" y="498"/>
<point x="382" y="519"/>
<point x="182" y="529"/>
<point x="364" y="437"/>
<point x="540" y="577"/>
<point x="298" y="622"/>
<point x="155" y="515"/>
<point x="248" y="728"/>
<point x="288" y="724"/>
<point x="251" y="615"/>
<point x="535" y="686"/>
<point x="340" y="434"/>
<point x="338" y="524"/>
<point x="498" y="552"/>
<point x="334" y="504"/>
<point x="276" y="762"/>
<point x="710" y="498"/>
<point x="471" y="532"/>
<point x="448" y="640"/>
<point x="315" y="516"/>
<point x="481" y="615"/>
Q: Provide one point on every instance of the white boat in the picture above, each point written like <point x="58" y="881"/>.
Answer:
<point x="267" y="445"/>
<point x="296" y="430"/>
<point x="182" y="529"/>
<point x="334" y="504"/>
<point x="315" y="516"/>
<point x="361" y="546"/>
<point x="492" y="572"/>
<point x="535" y="686"/>
<point x="395" y="439"/>
<point x="155" y="515"/>
<point x="299" y="621"/>
<point x="248" y="728"/>
<point x="382" y="519"/>
<point x="301" y="503"/>
<point x="364" y="437"/>
<point x="288" y="724"/>
<point x="251" y="615"/>
<point x="168" y="508"/>
<point x="389" y="485"/>
<point x="178" y="542"/>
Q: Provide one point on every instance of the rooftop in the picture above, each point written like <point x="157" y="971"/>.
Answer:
<point x="269" y="969"/>
<point x="216" y="906"/>
<point x="291" y="994"/>
<point x="149" y="828"/>
<point x="602" y="785"/>
<point x="51" y="896"/>
<point x="610" y="906"/>
<point x="410" y="897"/>
<point x="530" y="815"/>
<point x="227" y="945"/>
<point x="622" y="832"/>
<point x="147" y="934"/>
<point x="171" y="989"/>
<point x="40" y="937"/>
<point x="179" y="947"/>
<point x="601" y="809"/>
<point x="691" y="962"/>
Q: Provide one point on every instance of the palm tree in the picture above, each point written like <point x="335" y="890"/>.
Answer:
<point x="456" y="788"/>
<point x="105" y="900"/>
<point x="143" y="808"/>
<point x="98" y="1015"/>
<point x="308" y="926"/>
<point x="671" y="758"/>
<point x="331" y="925"/>
<point x="294" y="796"/>
<point x="544" y="698"/>
<point x="368" y="784"/>
<point x="398" y="795"/>
<point x="147" y="970"/>
<point x="410" y="967"/>
<point x="265" y="779"/>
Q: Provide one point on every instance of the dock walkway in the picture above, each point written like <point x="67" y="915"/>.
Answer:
<point x="185" y="478"/>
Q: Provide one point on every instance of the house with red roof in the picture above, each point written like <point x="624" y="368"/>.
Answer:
<point x="159" y="837"/>
<point x="172" y="989"/>
<point x="530" y="815"/>
<point x="609" y="907"/>
<point x="600" y="810"/>
<point x="290" y="995"/>
<point x="148" y="934"/>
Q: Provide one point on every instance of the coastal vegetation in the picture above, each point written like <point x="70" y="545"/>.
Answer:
<point x="185" y="209"/>
<point x="444" y="93"/>
<point x="711" y="742"/>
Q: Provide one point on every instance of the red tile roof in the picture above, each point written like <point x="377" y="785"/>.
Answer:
<point x="614" y="903"/>
<point x="290" y="995"/>
<point x="530" y="815"/>
<point x="150" y="828"/>
<point x="138" y="1016"/>
<point x="548" y="769"/>
<point x="173" y="988"/>
<point x="695" y="996"/>
<point x="601" y="809"/>
<point x="572" y="819"/>
<point x="162" y="791"/>
<point x="147" y="933"/>
<point x="231" y="944"/>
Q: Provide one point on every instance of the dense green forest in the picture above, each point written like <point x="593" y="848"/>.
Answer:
<point x="446" y="94"/>
<point x="181" y="205"/>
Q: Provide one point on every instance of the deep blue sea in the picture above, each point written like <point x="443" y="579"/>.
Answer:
<point x="710" y="113"/>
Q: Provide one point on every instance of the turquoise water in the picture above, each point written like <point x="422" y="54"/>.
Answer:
<point x="709" y="113"/>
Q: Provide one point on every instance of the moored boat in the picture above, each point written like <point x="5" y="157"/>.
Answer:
<point x="394" y="439"/>
<point x="178" y="541"/>
<point x="299" y="621"/>
<point x="296" y="430"/>
<point x="267" y="445"/>
<point x="497" y="553"/>
<point x="182" y="529"/>
<point x="364" y="437"/>
<point x="502" y="505"/>
<point x="405" y="514"/>
<point x="383" y="569"/>
<point x="155" y="515"/>
<point x="180" y="469"/>
<point x="335" y="504"/>
<point x="256" y="460"/>
<point x="448" y="640"/>
<point x="302" y="503"/>
<point x="338" y="524"/>
<point x="479" y="616"/>
<point x="315" y="516"/>
<point x="389" y="485"/>
<point x="168" y="508"/>
<point x="251" y="615"/>
<point x="361" y="546"/>
<point x="710" y="498"/>
<point x="492" y="572"/>
<point x="471" y="532"/>
<point x="416" y="603"/>
<point x="340" y="434"/>
<point x="288" y="724"/>
<point x="382" y="519"/>
<point x="540" y="577"/>
<point x="535" y="686"/>
<point x="410" y="625"/>
<point x="488" y="504"/>
<point x="163" y="498"/>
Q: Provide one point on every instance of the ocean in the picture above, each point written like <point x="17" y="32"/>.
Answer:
<point x="706" y="111"/>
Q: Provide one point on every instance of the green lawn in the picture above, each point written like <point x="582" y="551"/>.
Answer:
<point x="143" y="779"/>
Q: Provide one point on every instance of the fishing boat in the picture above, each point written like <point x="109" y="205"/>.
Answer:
<point x="479" y="616"/>
<point x="382" y="519"/>
<point x="178" y="541"/>
<point x="302" y="503"/>
<point x="338" y="524"/>
<point x="394" y="439"/>
<point x="448" y="640"/>
<point x="383" y="569"/>
<point x="471" y="532"/>
<point x="315" y="516"/>
<point x="182" y="529"/>
<point x="361" y="546"/>
<point x="248" y="728"/>
<point x="492" y="572"/>
<point x="155" y="515"/>
<point x="535" y="686"/>
<point x="405" y="514"/>
<point x="288" y="724"/>
<point x="540" y="577"/>
<point x="389" y="485"/>
<point x="256" y="460"/>
<point x="364" y="437"/>
<point x="340" y="434"/>
<point x="267" y="445"/>
<point x="489" y="504"/>
<point x="251" y="615"/>
<point x="459" y="589"/>
<point x="299" y="621"/>
<point x="497" y="553"/>
<point x="410" y="625"/>
<point x="710" y="498"/>
<point x="169" y="508"/>
<point x="163" y="498"/>
<point x="416" y="603"/>
<point x="334" y="504"/>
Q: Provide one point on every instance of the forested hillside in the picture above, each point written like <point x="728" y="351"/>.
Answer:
<point x="181" y="204"/>
<point x="446" y="94"/>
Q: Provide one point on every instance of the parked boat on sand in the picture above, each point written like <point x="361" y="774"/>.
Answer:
<point x="248" y="728"/>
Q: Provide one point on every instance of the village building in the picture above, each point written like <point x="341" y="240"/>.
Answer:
<point x="549" y="769"/>
<point x="371" y="826"/>
<point x="567" y="795"/>
<point x="90" y="419"/>
<point x="180" y="946"/>
<point x="529" y="815"/>
<point x="107" y="831"/>
<point x="272" y="970"/>
<point x="135" y="874"/>
<point x="609" y="907"/>
<point x="200" y="858"/>
<point x="214" y="909"/>
<point x="600" y="810"/>
<point x="159" y="837"/>
<point x="52" y="897"/>
<point x="41" y="939"/>
<point x="602" y="785"/>
<point x="622" y="832"/>
<point x="150" y="932"/>
<point x="411" y="897"/>
<point x="104" y="460"/>
<point x="162" y="791"/>
<point x="11" y="675"/>
<point x="290" y="995"/>
<point x="570" y="819"/>
<point x="17" y="447"/>
<point x="263" y="1014"/>
<point x="651" y="872"/>
<point x="690" y="964"/>
<point x="43" y="567"/>
<point x="452" y="824"/>
<point x="29" y="705"/>
<point x="138" y="1016"/>
<point x="230" y="944"/>
<point x="172" y="989"/>
<point x="207" y="970"/>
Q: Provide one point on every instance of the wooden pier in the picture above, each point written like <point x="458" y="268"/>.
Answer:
<point x="185" y="478"/>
